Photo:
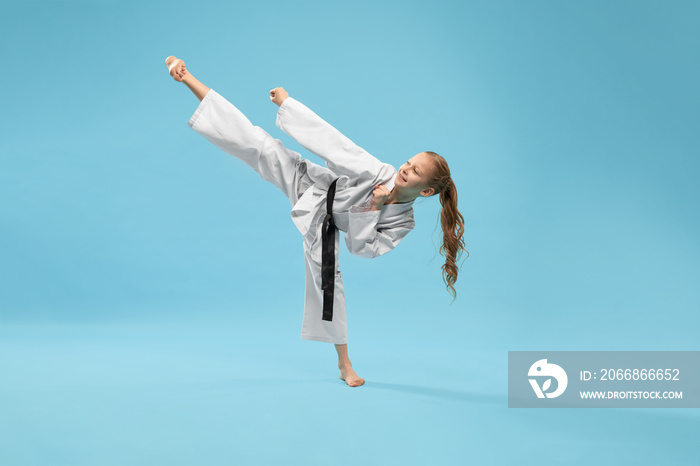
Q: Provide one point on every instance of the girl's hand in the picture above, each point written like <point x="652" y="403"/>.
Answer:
<point x="380" y="194"/>
<point x="277" y="95"/>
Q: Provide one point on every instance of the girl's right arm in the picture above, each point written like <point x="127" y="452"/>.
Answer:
<point x="364" y="239"/>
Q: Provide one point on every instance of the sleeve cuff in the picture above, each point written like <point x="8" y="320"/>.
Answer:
<point x="281" y="111"/>
<point x="198" y="111"/>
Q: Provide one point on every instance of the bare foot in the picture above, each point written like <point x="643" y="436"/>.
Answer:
<point x="176" y="68"/>
<point x="350" y="377"/>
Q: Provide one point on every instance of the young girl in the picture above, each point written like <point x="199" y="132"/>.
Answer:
<point x="370" y="201"/>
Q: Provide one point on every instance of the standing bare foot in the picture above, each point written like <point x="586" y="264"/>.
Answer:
<point x="349" y="376"/>
<point x="176" y="68"/>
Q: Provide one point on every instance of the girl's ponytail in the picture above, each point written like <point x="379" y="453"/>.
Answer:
<point x="451" y="220"/>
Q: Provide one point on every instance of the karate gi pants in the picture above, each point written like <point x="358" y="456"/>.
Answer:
<point x="221" y="123"/>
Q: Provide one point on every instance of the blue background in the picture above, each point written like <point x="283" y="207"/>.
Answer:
<point x="152" y="286"/>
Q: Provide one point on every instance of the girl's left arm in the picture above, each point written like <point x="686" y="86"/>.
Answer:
<point x="365" y="240"/>
<point x="341" y="155"/>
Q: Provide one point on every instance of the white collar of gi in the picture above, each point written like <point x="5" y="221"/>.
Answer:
<point x="390" y="184"/>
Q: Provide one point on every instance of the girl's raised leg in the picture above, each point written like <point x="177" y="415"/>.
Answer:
<point x="179" y="72"/>
<point x="220" y="122"/>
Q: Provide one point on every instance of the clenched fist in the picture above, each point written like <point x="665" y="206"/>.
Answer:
<point x="380" y="194"/>
<point x="277" y="95"/>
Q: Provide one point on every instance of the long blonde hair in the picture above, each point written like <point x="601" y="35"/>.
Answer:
<point x="451" y="220"/>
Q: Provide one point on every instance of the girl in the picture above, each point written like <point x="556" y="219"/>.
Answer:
<point x="370" y="201"/>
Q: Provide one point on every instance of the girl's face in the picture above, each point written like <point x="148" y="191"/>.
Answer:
<point x="416" y="174"/>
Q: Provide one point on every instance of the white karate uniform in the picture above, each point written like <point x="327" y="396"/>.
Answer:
<point x="367" y="233"/>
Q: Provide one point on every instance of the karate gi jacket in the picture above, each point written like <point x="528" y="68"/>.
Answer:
<point x="368" y="233"/>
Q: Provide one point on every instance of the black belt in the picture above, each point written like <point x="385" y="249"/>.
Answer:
<point x="328" y="255"/>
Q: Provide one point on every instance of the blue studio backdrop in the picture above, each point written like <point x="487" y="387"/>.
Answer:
<point x="152" y="286"/>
